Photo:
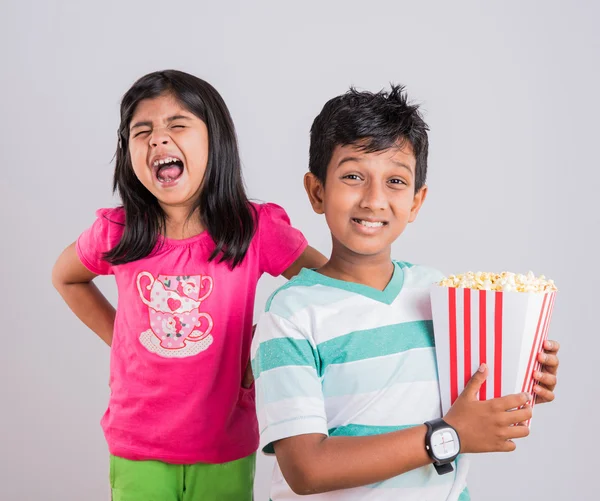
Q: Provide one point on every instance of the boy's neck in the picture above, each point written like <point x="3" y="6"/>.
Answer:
<point x="373" y="271"/>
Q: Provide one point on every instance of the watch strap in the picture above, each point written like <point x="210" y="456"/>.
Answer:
<point x="442" y="469"/>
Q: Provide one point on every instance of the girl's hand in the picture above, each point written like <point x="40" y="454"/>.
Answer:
<point x="248" y="375"/>
<point x="544" y="391"/>
<point x="487" y="426"/>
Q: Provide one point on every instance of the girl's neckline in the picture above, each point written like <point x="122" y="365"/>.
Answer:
<point x="176" y="242"/>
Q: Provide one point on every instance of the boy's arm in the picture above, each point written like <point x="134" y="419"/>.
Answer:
<point x="74" y="283"/>
<point x="314" y="463"/>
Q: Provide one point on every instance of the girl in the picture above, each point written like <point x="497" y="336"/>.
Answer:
<point x="187" y="249"/>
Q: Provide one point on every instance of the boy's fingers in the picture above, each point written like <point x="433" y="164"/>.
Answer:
<point x="543" y="394"/>
<point x="517" y="416"/>
<point x="550" y="362"/>
<point x="474" y="384"/>
<point x="518" y="432"/>
<point x="548" y="359"/>
<point x="508" y="446"/>
<point x="545" y="378"/>
<point x="513" y="401"/>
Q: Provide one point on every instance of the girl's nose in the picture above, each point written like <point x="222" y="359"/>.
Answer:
<point x="158" y="137"/>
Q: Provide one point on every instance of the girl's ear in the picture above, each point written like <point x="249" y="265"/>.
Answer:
<point x="314" y="189"/>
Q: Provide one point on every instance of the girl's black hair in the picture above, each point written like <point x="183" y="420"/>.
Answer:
<point x="223" y="205"/>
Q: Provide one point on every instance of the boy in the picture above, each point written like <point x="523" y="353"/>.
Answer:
<point x="346" y="379"/>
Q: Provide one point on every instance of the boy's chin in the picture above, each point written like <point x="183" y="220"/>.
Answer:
<point x="364" y="251"/>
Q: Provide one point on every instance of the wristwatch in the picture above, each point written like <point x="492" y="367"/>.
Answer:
<point x="442" y="444"/>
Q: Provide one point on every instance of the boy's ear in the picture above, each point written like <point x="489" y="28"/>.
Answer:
<point x="417" y="203"/>
<point x="314" y="190"/>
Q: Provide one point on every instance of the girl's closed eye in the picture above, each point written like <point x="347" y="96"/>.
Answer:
<point x="139" y="133"/>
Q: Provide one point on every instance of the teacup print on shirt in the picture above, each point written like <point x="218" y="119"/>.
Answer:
<point x="177" y="326"/>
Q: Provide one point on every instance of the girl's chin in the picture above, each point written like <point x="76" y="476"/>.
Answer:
<point x="172" y="200"/>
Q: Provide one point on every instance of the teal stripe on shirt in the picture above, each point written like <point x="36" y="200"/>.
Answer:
<point x="381" y="341"/>
<point x="280" y="352"/>
<point x="361" y="430"/>
<point x="464" y="495"/>
<point x="359" y="345"/>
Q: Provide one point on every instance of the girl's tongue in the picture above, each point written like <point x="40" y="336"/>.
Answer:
<point x="169" y="172"/>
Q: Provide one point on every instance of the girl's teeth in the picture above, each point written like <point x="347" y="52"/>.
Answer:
<point x="165" y="161"/>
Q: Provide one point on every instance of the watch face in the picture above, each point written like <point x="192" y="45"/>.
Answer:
<point x="444" y="443"/>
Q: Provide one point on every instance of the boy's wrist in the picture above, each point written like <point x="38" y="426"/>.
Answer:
<point x="442" y="444"/>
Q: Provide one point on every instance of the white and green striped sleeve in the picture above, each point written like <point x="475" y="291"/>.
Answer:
<point x="289" y="397"/>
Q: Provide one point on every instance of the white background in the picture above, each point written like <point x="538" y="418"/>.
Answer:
<point x="509" y="89"/>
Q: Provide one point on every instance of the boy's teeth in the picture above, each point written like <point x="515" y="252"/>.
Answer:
<point x="370" y="224"/>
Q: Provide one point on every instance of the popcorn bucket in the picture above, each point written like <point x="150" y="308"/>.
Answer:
<point x="504" y="330"/>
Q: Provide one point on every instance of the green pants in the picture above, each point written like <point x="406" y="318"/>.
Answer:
<point x="158" y="481"/>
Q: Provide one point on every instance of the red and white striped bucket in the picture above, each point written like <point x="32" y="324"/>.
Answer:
<point x="504" y="330"/>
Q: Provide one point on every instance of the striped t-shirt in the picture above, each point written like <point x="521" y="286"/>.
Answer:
<point x="344" y="359"/>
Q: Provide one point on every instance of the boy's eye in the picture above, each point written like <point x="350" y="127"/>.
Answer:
<point x="397" y="181"/>
<point x="352" y="177"/>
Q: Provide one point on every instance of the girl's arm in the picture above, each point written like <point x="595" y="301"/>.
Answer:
<point x="310" y="258"/>
<point x="74" y="283"/>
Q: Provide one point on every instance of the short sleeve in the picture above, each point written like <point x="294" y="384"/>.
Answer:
<point x="280" y="244"/>
<point x="418" y="275"/>
<point x="289" y="396"/>
<point x="99" y="238"/>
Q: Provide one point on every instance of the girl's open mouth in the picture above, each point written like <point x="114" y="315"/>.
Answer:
<point x="168" y="170"/>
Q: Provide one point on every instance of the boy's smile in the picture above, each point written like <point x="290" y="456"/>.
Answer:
<point x="368" y="198"/>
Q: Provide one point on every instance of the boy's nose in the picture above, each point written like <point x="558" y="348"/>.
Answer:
<point x="374" y="198"/>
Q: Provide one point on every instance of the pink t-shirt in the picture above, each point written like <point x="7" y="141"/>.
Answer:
<point x="182" y="340"/>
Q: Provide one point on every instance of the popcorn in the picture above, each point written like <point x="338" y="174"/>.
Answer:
<point x="477" y="319"/>
<point x="505" y="282"/>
